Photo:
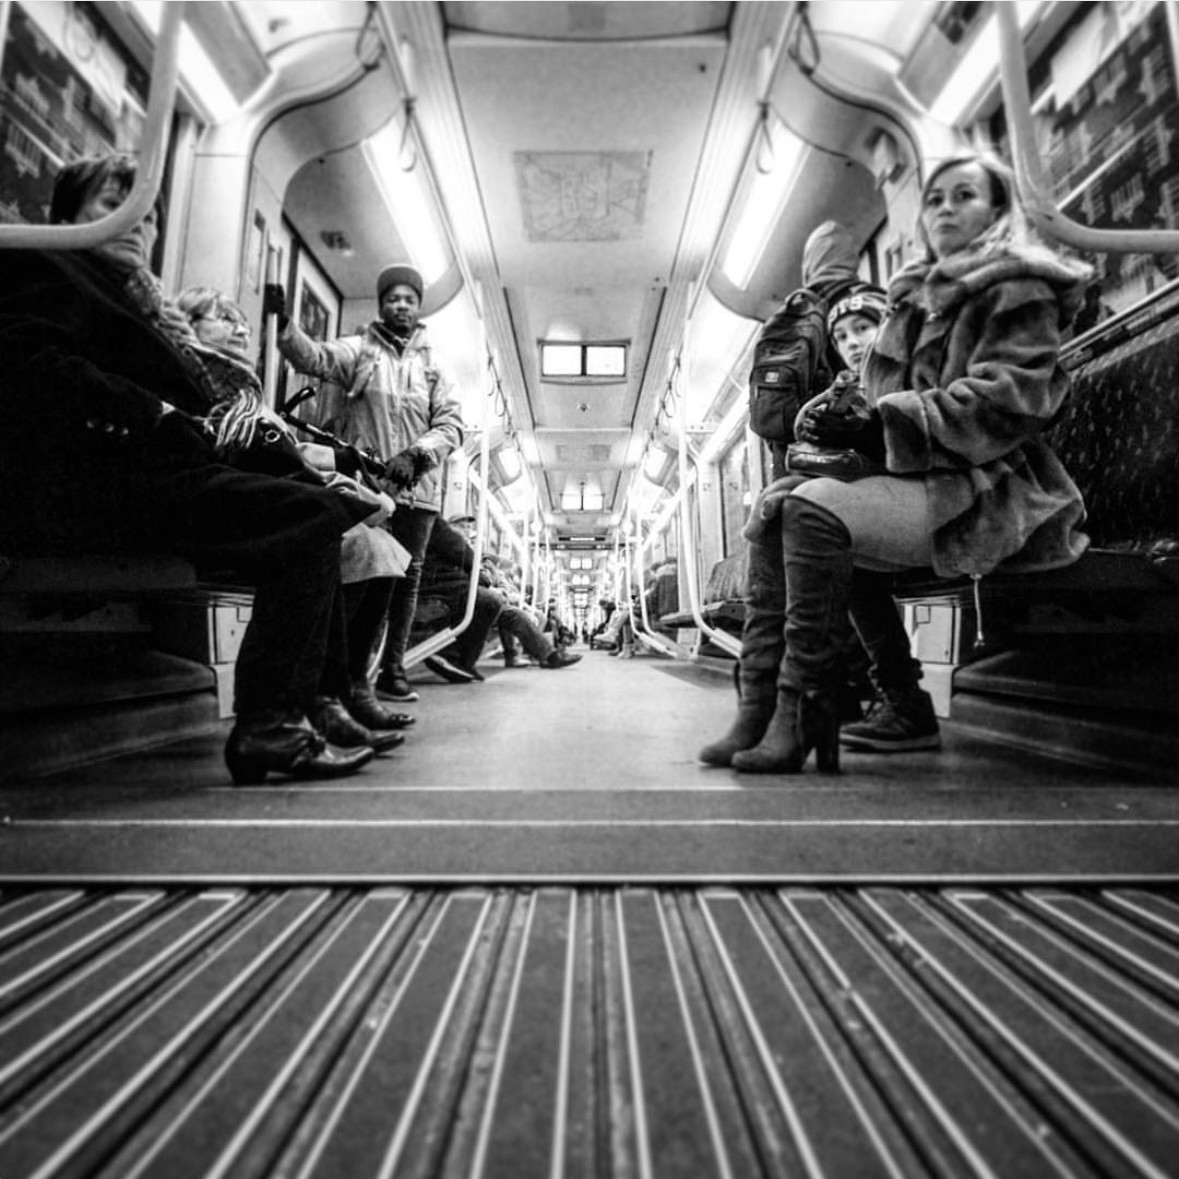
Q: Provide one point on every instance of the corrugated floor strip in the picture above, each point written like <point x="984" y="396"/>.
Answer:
<point x="349" y="1033"/>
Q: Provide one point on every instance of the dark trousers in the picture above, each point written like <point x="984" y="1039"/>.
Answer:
<point x="468" y="646"/>
<point x="283" y="655"/>
<point x="412" y="527"/>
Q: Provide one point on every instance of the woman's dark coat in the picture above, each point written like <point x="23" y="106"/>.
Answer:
<point x="91" y="458"/>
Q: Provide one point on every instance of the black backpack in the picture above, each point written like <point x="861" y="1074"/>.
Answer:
<point x="790" y="365"/>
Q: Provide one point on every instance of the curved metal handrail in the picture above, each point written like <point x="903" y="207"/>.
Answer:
<point x="663" y="643"/>
<point x="1042" y="210"/>
<point x="153" y="153"/>
<point x="687" y="532"/>
<point x="442" y="638"/>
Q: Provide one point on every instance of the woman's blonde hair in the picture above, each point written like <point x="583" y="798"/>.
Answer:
<point x="1010" y="226"/>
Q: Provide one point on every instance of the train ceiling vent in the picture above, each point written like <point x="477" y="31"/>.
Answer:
<point x="572" y="455"/>
<point x="583" y="196"/>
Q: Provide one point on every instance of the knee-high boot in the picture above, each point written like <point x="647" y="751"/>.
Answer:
<point x="762" y="645"/>
<point x="817" y="561"/>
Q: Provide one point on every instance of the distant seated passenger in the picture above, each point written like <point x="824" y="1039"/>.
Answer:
<point x="103" y="451"/>
<point x="253" y="437"/>
<point x="514" y="621"/>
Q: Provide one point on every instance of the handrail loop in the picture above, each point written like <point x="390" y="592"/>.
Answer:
<point x="153" y="152"/>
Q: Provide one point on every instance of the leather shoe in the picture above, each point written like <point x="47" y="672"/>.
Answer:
<point x="560" y="658"/>
<point x="367" y="709"/>
<point x="333" y="720"/>
<point x="450" y="671"/>
<point x="285" y="743"/>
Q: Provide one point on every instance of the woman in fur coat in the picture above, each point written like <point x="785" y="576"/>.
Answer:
<point x="963" y="379"/>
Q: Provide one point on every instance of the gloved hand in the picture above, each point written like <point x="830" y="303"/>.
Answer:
<point x="406" y="468"/>
<point x="274" y="302"/>
<point x="862" y="432"/>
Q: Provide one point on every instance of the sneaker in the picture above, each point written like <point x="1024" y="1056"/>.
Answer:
<point x="449" y="670"/>
<point x="560" y="658"/>
<point x="396" y="688"/>
<point x="896" y="723"/>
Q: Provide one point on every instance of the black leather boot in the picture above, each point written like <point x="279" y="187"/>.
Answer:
<point x="817" y="562"/>
<point x="277" y="742"/>
<point x="368" y="710"/>
<point x="333" y="720"/>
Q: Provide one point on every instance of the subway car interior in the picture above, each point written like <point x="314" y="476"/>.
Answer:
<point x="540" y="936"/>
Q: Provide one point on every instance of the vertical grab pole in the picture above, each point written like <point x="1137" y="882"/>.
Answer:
<point x="270" y="345"/>
<point x="687" y="531"/>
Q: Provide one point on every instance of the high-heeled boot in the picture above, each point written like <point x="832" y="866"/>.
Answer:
<point x="284" y="742"/>
<point x="817" y="562"/>
<point x="762" y="647"/>
<point x="802" y="721"/>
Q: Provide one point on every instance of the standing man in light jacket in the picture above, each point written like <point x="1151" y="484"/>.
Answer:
<point x="387" y="391"/>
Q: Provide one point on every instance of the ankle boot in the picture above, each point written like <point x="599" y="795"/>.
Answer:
<point x="368" y="710"/>
<point x="332" y="719"/>
<point x="285" y="743"/>
<point x="802" y="721"/>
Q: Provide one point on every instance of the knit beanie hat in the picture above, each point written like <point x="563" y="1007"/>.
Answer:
<point x="870" y="302"/>
<point x="399" y="272"/>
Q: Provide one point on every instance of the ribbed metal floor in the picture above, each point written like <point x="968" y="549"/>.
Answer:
<point x="560" y="1032"/>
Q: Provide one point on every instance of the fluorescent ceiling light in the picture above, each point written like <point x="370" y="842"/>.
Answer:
<point x="722" y="436"/>
<point x="196" y="67"/>
<point x="977" y="69"/>
<point x="766" y="196"/>
<point x="406" y="202"/>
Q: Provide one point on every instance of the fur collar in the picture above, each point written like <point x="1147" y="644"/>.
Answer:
<point x="941" y="286"/>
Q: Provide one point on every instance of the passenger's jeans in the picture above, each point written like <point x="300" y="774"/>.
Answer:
<point x="514" y="623"/>
<point x="412" y="527"/>
<point x="468" y="646"/>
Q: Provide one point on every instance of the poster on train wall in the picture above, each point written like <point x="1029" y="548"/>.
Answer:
<point x="68" y="88"/>
<point x="1114" y="144"/>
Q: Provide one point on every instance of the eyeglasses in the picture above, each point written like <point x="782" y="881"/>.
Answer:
<point x="231" y="317"/>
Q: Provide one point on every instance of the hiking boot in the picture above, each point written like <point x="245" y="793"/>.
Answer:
<point x="901" y="720"/>
<point x="450" y="671"/>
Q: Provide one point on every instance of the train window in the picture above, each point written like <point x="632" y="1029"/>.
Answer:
<point x="69" y="88"/>
<point x="735" y="493"/>
<point x="582" y="360"/>
<point x="1106" y="112"/>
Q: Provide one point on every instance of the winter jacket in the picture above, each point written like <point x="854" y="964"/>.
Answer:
<point x="966" y="377"/>
<point x="381" y="400"/>
<point x="91" y="458"/>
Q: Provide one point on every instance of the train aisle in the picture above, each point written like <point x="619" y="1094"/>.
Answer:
<point x="589" y="774"/>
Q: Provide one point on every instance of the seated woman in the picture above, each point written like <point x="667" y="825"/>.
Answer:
<point x="103" y="451"/>
<point x="962" y="380"/>
<point x="251" y="436"/>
